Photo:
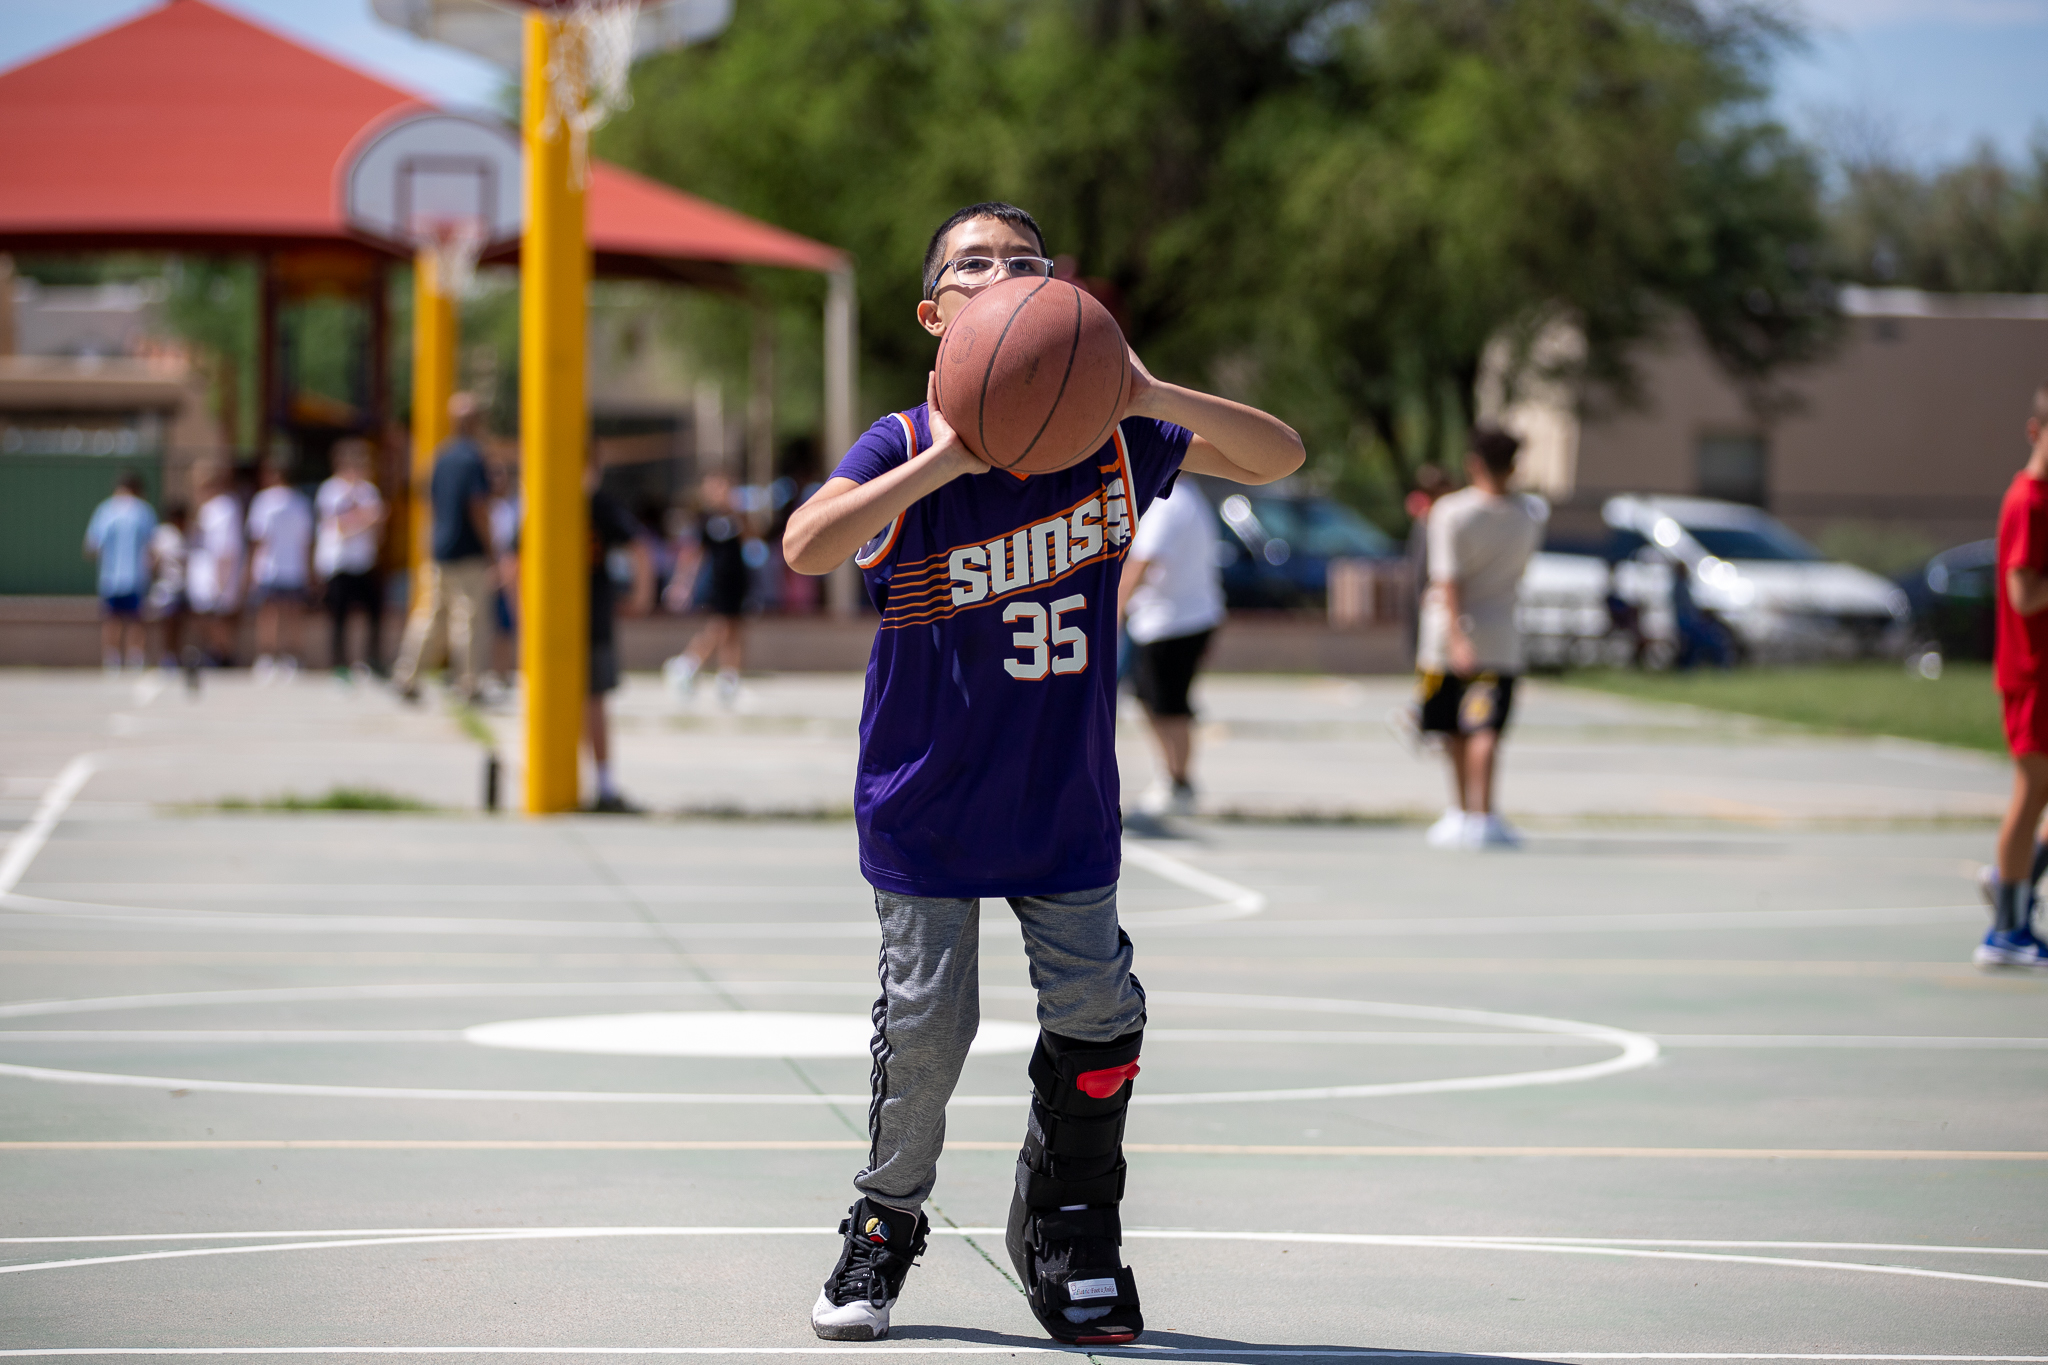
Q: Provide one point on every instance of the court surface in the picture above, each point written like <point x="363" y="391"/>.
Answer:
<point x="1666" y="1088"/>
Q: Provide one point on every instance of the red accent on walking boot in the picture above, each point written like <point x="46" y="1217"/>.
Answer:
<point x="1100" y="1085"/>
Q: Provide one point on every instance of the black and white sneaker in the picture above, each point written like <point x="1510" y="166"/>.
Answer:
<point x="881" y="1245"/>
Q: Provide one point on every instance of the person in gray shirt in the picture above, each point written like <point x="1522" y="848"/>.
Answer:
<point x="1469" y="651"/>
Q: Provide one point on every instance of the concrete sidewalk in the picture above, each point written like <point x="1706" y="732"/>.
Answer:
<point x="1271" y="748"/>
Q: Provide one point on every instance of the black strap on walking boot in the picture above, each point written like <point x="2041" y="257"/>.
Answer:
<point x="1064" y="1231"/>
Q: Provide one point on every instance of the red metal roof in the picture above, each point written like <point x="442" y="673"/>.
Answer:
<point x="192" y="128"/>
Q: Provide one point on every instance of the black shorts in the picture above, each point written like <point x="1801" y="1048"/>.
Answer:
<point x="604" y="667"/>
<point x="1452" y="705"/>
<point x="1163" y="669"/>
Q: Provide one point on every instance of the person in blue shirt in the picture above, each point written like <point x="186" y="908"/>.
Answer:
<point x="118" y="537"/>
<point x="988" y="768"/>
<point x="455" y="598"/>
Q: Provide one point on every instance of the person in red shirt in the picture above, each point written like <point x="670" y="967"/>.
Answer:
<point x="2021" y="669"/>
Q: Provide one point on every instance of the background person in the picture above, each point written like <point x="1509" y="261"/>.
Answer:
<point x="2020" y="668"/>
<point x="165" y="607"/>
<point x="613" y="532"/>
<point x="1171" y="598"/>
<point x="504" y="576"/>
<point x="722" y="541"/>
<point x="350" y="513"/>
<point x="213" y="563"/>
<point x="118" y="537"/>
<point x="1469" y="651"/>
<point x="1431" y="484"/>
<point x="281" y="530"/>
<point x="454" y="603"/>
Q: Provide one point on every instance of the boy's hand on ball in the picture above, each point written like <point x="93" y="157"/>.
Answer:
<point x="1143" y="388"/>
<point x="946" y="443"/>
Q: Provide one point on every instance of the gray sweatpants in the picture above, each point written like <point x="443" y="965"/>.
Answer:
<point x="930" y="1008"/>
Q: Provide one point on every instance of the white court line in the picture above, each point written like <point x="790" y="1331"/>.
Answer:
<point x="1206" y="921"/>
<point x="1251" y="1037"/>
<point x="1222" y="1354"/>
<point x="1233" y="901"/>
<point x="22" y="850"/>
<point x="1564" y="1248"/>
<point x="1636" y="1050"/>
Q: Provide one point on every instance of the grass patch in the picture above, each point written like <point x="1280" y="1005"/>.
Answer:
<point x="472" y="723"/>
<point x="335" y="798"/>
<point x="1959" y="708"/>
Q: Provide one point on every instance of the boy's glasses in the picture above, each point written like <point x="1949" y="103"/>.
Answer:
<point x="972" y="272"/>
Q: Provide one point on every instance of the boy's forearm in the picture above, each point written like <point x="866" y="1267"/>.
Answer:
<point x="1257" y="446"/>
<point x="832" y="525"/>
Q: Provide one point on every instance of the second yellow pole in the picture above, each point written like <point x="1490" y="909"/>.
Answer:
<point x="554" y="561"/>
<point x="433" y="384"/>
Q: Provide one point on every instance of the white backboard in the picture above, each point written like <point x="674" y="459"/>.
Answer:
<point x="410" y="179"/>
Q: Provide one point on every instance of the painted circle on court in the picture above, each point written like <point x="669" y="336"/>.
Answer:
<point x="718" y="1033"/>
<point x="1634" y="1050"/>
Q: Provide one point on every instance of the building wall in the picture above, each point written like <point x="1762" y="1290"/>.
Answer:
<point x="1916" y="423"/>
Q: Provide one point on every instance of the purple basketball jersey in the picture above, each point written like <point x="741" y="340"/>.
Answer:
<point x="988" y="731"/>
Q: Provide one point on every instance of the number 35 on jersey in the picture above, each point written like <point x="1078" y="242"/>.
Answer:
<point x="1048" y="643"/>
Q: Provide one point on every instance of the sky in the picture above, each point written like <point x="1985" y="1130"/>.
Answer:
<point x="1924" y="80"/>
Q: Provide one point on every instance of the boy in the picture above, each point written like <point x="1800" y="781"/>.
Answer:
<point x="988" y="768"/>
<point x="1469" y="651"/>
<point x="118" y="537"/>
<point x="2020" y="667"/>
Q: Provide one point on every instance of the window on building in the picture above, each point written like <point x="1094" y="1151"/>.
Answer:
<point x="1733" y="468"/>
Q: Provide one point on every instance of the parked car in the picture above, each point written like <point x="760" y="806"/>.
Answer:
<point x="1778" y="598"/>
<point x="1954" y="597"/>
<point x="1275" y="549"/>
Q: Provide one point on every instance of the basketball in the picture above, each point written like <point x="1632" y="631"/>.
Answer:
<point x="1032" y="374"/>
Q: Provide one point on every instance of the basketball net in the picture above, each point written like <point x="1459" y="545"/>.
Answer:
<point x="453" y="245"/>
<point x="592" y="57"/>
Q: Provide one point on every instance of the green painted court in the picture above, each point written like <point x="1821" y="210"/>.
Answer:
<point x="1664" y="1084"/>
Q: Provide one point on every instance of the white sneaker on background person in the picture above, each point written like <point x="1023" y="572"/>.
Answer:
<point x="263" y="670"/>
<point x="1448" y="831"/>
<point x="1490" y="831"/>
<point x="680" y="673"/>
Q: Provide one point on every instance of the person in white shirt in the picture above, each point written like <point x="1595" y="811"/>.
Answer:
<point x="165" y="606"/>
<point x="213" y="567"/>
<point x="1171" y="596"/>
<point x="281" y="525"/>
<point x="350" y="512"/>
<point x="1470" y="651"/>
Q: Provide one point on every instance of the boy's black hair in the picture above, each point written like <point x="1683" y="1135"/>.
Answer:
<point x="129" y="481"/>
<point x="1495" y="448"/>
<point x="1002" y="213"/>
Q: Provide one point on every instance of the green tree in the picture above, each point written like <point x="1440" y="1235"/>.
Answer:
<point x="1324" y="205"/>
<point x="1980" y="226"/>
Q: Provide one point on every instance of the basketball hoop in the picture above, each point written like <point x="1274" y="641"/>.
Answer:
<point x="453" y="246"/>
<point x="588" y="74"/>
<point x="446" y="185"/>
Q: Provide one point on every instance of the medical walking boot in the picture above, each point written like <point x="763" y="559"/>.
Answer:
<point x="1064" y="1231"/>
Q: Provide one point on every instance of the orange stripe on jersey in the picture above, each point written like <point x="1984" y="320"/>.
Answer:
<point x="1123" y="461"/>
<point x="868" y="561"/>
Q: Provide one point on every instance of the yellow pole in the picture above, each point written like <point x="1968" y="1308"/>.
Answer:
<point x="554" y="565"/>
<point x="433" y="384"/>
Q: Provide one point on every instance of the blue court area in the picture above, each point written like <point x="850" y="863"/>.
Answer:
<point x="415" y="1085"/>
